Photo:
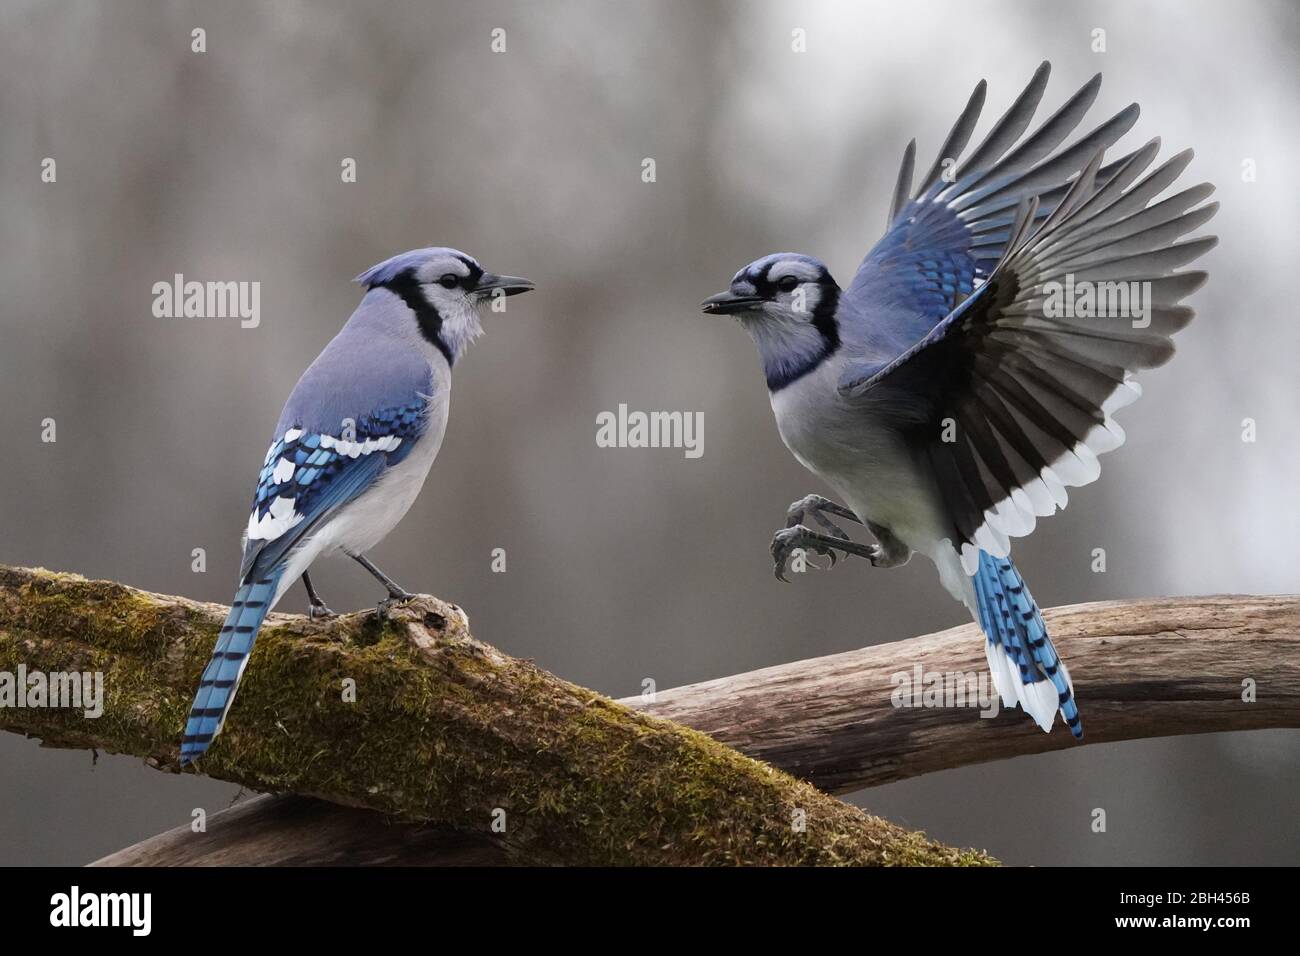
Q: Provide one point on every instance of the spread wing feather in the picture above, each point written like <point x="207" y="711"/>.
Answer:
<point x="1029" y="369"/>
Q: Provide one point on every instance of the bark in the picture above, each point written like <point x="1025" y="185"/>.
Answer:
<point x="289" y="830"/>
<point x="1140" y="668"/>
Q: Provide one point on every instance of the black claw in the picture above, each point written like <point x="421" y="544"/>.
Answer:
<point x="842" y="512"/>
<point x="787" y="540"/>
<point x="780" y="549"/>
<point x="392" y="601"/>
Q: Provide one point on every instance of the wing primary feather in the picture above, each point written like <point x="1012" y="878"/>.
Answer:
<point x="1082" y="188"/>
<point x="1053" y="169"/>
<point x="1053" y="130"/>
<point x="903" y="186"/>
<point x="1112" y="180"/>
<point x="958" y="137"/>
<point x="1025" y="216"/>
<point x="1035" y="147"/>
<point x="1146" y="265"/>
<point x="1114" y="176"/>
<point x="1079" y="239"/>
<point x="1135" y="199"/>
<point x="1143" y="240"/>
<point x="1008" y="128"/>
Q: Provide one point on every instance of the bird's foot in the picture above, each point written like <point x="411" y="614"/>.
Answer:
<point x="815" y="506"/>
<point x="800" y="537"/>
<point x="316" y="607"/>
<point x="394" y="598"/>
<point x="319" y="612"/>
<point x="396" y="593"/>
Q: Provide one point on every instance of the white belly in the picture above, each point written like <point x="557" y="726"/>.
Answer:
<point x="364" y="522"/>
<point x="868" y="467"/>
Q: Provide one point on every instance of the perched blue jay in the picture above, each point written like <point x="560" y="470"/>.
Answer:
<point x="351" y="450"/>
<point x="962" y="381"/>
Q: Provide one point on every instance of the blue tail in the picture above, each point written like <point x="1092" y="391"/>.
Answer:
<point x="1025" y="665"/>
<point x="221" y="676"/>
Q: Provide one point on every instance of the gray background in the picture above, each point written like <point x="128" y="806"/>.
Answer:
<point x="623" y="564"/>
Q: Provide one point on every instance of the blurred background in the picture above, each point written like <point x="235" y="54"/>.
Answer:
<point x="623" y="564"/>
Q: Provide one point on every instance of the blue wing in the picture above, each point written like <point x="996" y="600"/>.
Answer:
<point x="306" y="477"/>
<point x="943" y="243"/>
<point x="1008" y="399"/>
<point x="309" y="475"/>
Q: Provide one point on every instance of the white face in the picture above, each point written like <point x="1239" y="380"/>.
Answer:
<point x="449" y="283"/>
<point x="781" y="321"/>
<point x="792" y="290"/>
<point x="786" y="303"/>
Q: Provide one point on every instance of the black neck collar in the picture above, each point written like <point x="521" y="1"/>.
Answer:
<point x="823" y="320"/>
<point x="405" y="286"/>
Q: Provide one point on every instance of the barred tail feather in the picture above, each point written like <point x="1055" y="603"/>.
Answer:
<point x="226" y="666"/>
<point x="1025" y="666"/>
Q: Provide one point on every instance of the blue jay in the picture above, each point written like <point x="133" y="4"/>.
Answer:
<point x="351" y="450"/>
<point x="951" y="393"/>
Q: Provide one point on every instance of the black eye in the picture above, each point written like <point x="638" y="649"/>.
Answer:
<point x="787" y="283"/>
<point x="449" y="281"/>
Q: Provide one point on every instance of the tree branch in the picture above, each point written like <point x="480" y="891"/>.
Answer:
<point x="1140" y="668"/>
<point x="290" y="830"/>
<point x="443" y="729"/>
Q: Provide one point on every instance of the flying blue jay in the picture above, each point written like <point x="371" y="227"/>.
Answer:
<point x="969" y="372"/>
<point x="351" y="450"/>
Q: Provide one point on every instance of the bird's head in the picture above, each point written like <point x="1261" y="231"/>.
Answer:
<point x="787" y="303"/>
<point x="443" y="288"/>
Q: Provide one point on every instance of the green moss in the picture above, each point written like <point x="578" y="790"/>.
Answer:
<point x="445" y="732"/>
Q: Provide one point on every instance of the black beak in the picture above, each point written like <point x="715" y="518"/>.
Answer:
<point x="729" y="303"/>
<point x="510" y="285"/>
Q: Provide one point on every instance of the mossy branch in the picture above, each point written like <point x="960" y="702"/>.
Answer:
<point x="443" y="729"/>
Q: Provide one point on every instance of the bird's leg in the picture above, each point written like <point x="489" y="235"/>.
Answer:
<point x="317" y="608"/>
<point x="396" y="593"/>
<point x="815" y="505"/>
<point x="891" y="552"/>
